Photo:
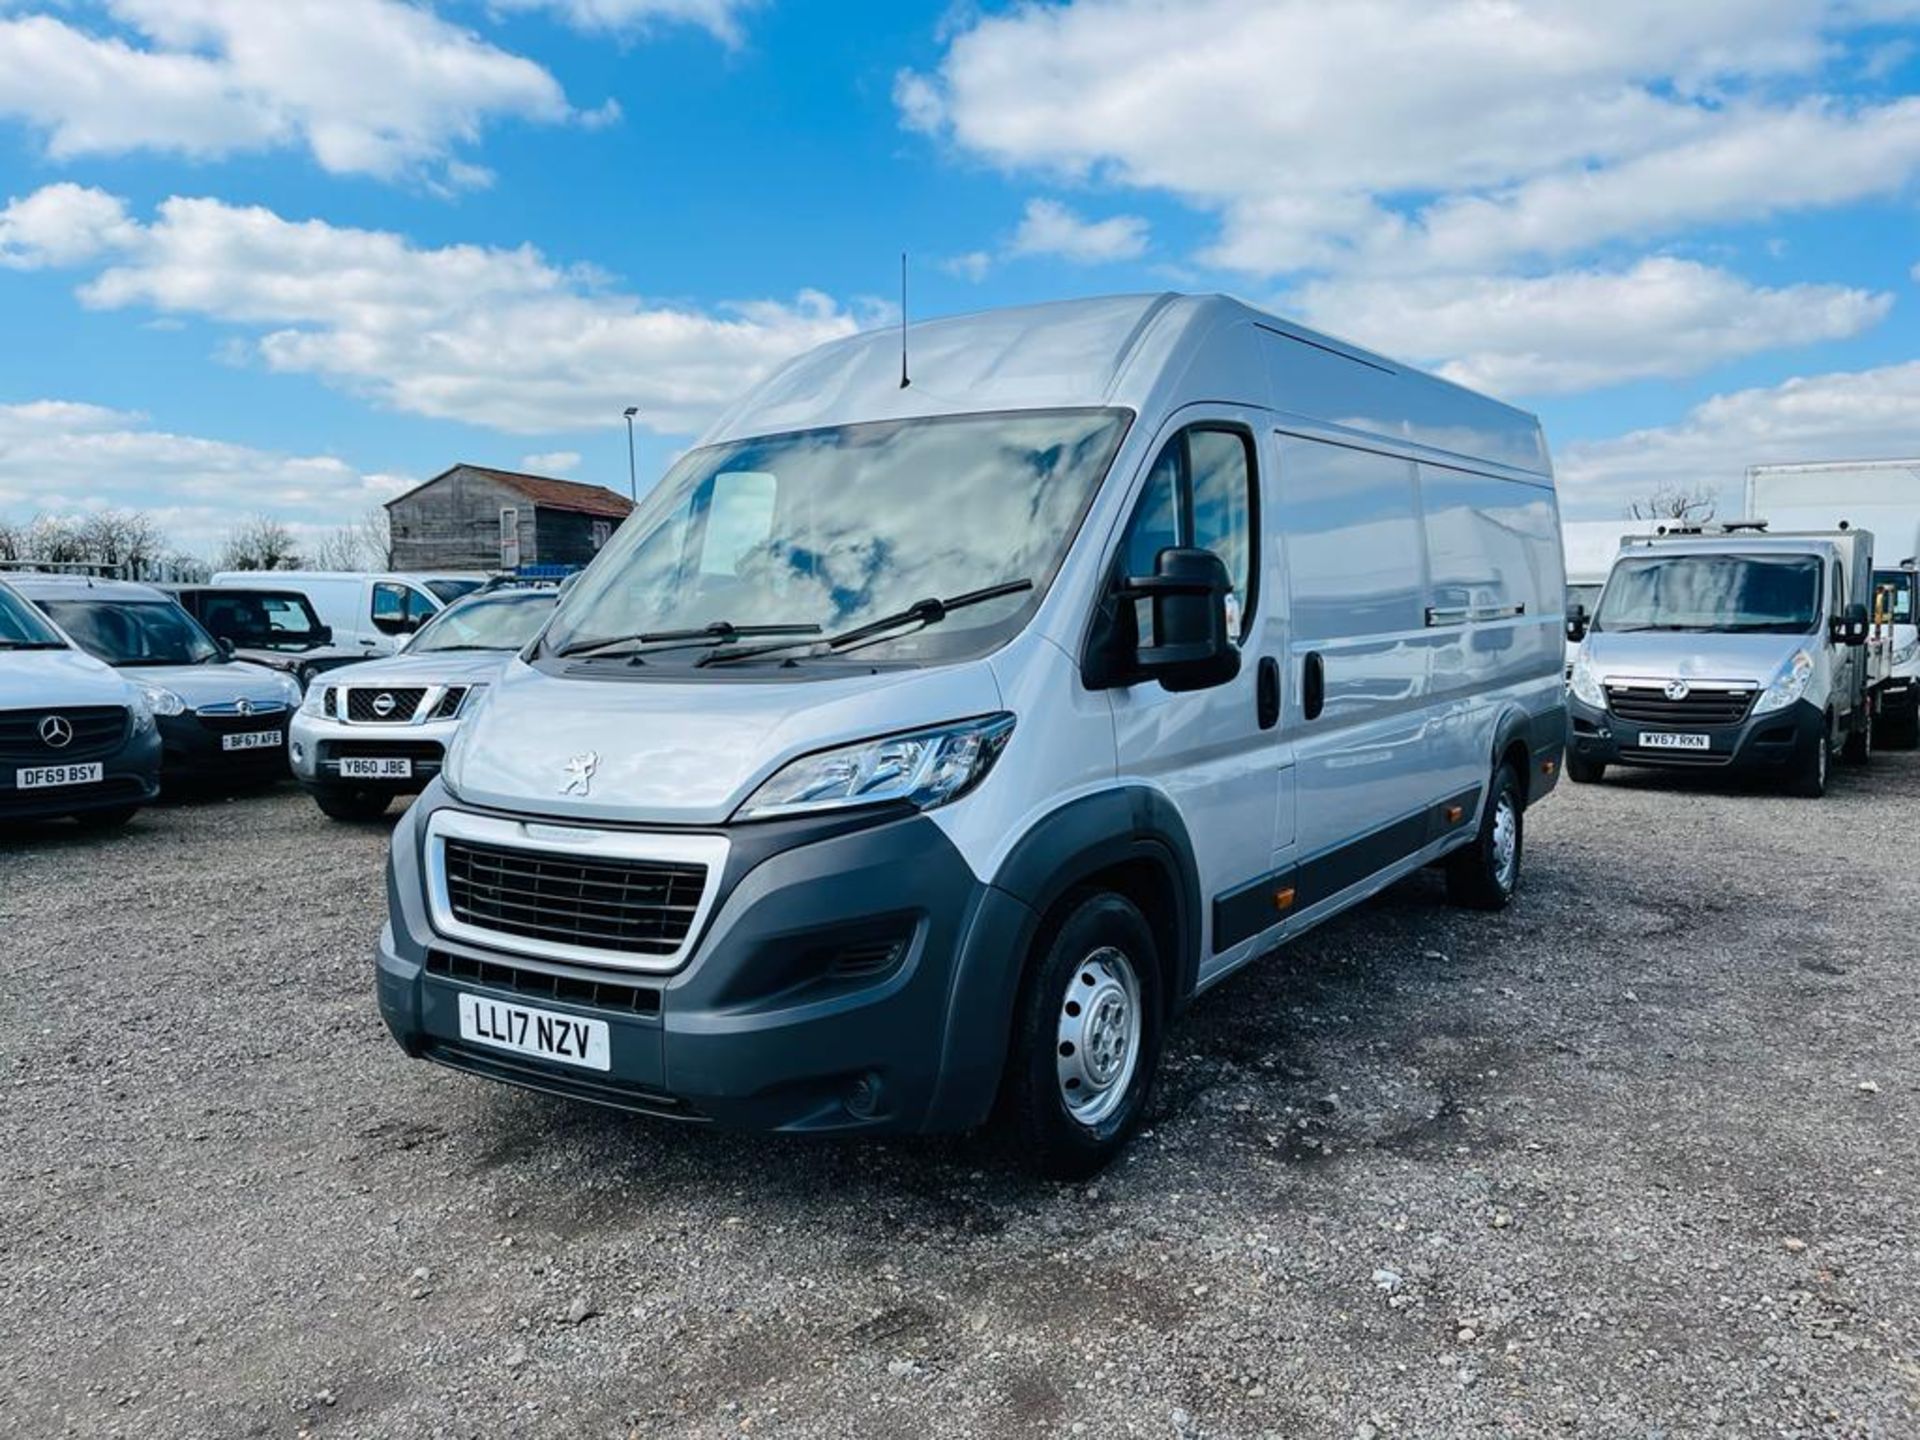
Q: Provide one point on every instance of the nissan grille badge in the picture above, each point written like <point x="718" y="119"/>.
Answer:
<point x="580" y="773"/>
<point x="383" y="704"/>
<point x="1678" y="689"/>
<point x="56" y="732"/>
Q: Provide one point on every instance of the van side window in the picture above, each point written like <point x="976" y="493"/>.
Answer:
<point x="1198" y="493"/>
<point x="389" y="605"/>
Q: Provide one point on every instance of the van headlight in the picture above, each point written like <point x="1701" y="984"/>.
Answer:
<point x="142" y="714"/>
<point x="1788" y="686"/>
<point x="1907" y="652"/>
<point x="1585" y="684"/>
<point x="926" y="768"/>
<point x="163" y="701"/>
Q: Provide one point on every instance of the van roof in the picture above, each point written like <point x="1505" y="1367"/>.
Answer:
<point x="1141" y="352"/>
<point x="43" y="585"/>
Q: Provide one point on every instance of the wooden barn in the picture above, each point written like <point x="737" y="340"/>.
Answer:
<point x="472" y="517"/>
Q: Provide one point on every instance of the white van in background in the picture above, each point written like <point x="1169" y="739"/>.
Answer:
<point x="373" y="612"/>
<point x="917" y="747"/>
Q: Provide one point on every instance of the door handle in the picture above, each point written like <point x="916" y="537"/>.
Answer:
<point x="1313" y="686"/>
<point x="1267" y="692"/>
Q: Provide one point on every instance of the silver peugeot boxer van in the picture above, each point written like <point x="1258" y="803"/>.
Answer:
<point x="930" y="742"/>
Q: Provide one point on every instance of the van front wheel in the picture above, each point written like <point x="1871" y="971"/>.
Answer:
<point x="1086" y="1042"/>
<point x="1484" y="874"/>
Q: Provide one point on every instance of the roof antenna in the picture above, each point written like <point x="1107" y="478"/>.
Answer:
<point x="904" y="380"/>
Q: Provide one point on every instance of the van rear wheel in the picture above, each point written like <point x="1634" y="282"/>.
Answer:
<point x="1484" y="874"/>
<point x="1087" y="1035"/>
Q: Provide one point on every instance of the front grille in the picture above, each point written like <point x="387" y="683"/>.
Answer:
<point x="637" y="907"/>
<point x="263" y="718"/>
<point x="364" y="707"/>
<point x="539" y="985"/>
<point x="97" y="730"/>
<point x="1698" y="709"/>
<point x="449" y="705"/>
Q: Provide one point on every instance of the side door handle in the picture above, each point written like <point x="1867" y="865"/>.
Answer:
<point x="1313" y="686"/>
<point x="1267" y="691"/>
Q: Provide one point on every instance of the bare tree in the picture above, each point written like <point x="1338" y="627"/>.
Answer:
<point x="184" y="569"/>
<point x="1691" y="505"/>
<point x="259" y="543"/>
<point x="13" y="541"/>
<point x="127" y="538"/>
<point x="363" y="545"/>
<point x="55" y="541"/>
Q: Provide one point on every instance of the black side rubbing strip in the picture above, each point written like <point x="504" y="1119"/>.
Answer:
<point x="1241" y="913"/>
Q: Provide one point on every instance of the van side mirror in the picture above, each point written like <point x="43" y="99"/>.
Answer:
<point x="1850" y="626"/>
<point x="227" y="647"/>
<point x="1577" y="623"/>
<point x="323" y="635"/>
<point x="1192" y="648"/>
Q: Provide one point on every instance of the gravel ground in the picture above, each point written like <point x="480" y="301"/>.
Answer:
<point x="1636" y="1158"/>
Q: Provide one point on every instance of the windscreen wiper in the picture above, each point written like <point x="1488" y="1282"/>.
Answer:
<point x="921" y="614"/>
<point x="31" y="645"/>
<point x="720" y="632"/>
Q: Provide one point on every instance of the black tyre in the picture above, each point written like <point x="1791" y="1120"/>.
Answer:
<point x="106" y="819"/>
<point x="1586" y="772"/>
<point x="1859" y="748"/>
<point x="352" y="802"/>
<point x="1086" y="1038"/>
<point x="1810" y="780"/>
<point x="1484" y="874"/>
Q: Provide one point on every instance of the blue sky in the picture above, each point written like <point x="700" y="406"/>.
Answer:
<point x="287" y="257"/>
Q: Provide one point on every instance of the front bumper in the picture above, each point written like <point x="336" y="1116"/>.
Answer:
<point x="781" y="1018"/>
<point x="318" y="743"/>
<point x="1779" y="741"/>
<point x="1898" y="698"/>
<point x="129" y="776"/>
<point x="193" y="747"/>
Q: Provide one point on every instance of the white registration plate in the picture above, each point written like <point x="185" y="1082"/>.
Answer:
<point x="253" y="740"/>
<point x="1668" y="740"/>
<point x="376" y="767"/>
<point x="539" y="1033"/>
<point x="39" y="777"/>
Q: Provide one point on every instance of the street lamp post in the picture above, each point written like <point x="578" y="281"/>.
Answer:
<point x="633" y="479"/>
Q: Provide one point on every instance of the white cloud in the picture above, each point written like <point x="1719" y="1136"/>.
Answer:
<point x="1423" y="131"/>
<point x="1579" y="330"/>
<point x="551" y="462"/>
<point x="374" y="87"/>
<point x="1856" y="415"/>
<point x="1050" y="228"/>
<point x="973" y="266"/>
<point x="62" y="457"/>
<point x="493" y="337"/>
<point x="61" y="224"/>
<point x="721" y="17"/>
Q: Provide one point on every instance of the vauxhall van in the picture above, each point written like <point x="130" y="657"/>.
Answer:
<point x="371" y="614"/>
<point x="1731" y="649"/>
<point x="933" y="735"/>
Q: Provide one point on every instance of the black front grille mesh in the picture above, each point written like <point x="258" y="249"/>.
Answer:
<point x="97" y="730"/>
<point x="449" y="705"/>
<point x="364" y="707"/>
<point x="636" y="907"/>
<point x="1703" y="709"/>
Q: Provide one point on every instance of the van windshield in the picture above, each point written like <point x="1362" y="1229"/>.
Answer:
<point x="135" y="632"/>
<point x="21" y="627"/>
<point x="837" y="527"/>
<point x="1897" y="587"/>
<point x="1759" y="594"/>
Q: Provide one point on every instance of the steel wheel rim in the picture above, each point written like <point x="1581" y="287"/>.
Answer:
<point x="1506" y="840"/>
<point x="1097" y="1042"/>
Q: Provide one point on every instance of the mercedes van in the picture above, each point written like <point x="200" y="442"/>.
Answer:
<point x="76" y="739"/>
<point x="1728" y="648"/>
<point x="929" y="739"/>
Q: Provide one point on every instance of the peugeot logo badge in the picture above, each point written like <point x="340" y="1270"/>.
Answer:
<point x="580" y="773"/>
<point x="1678" y="689"/>
<point x="56" y="732"/>
<point x="383" y="704"/>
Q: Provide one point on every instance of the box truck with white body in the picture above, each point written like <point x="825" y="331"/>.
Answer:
<point x="1882" y="496"/>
